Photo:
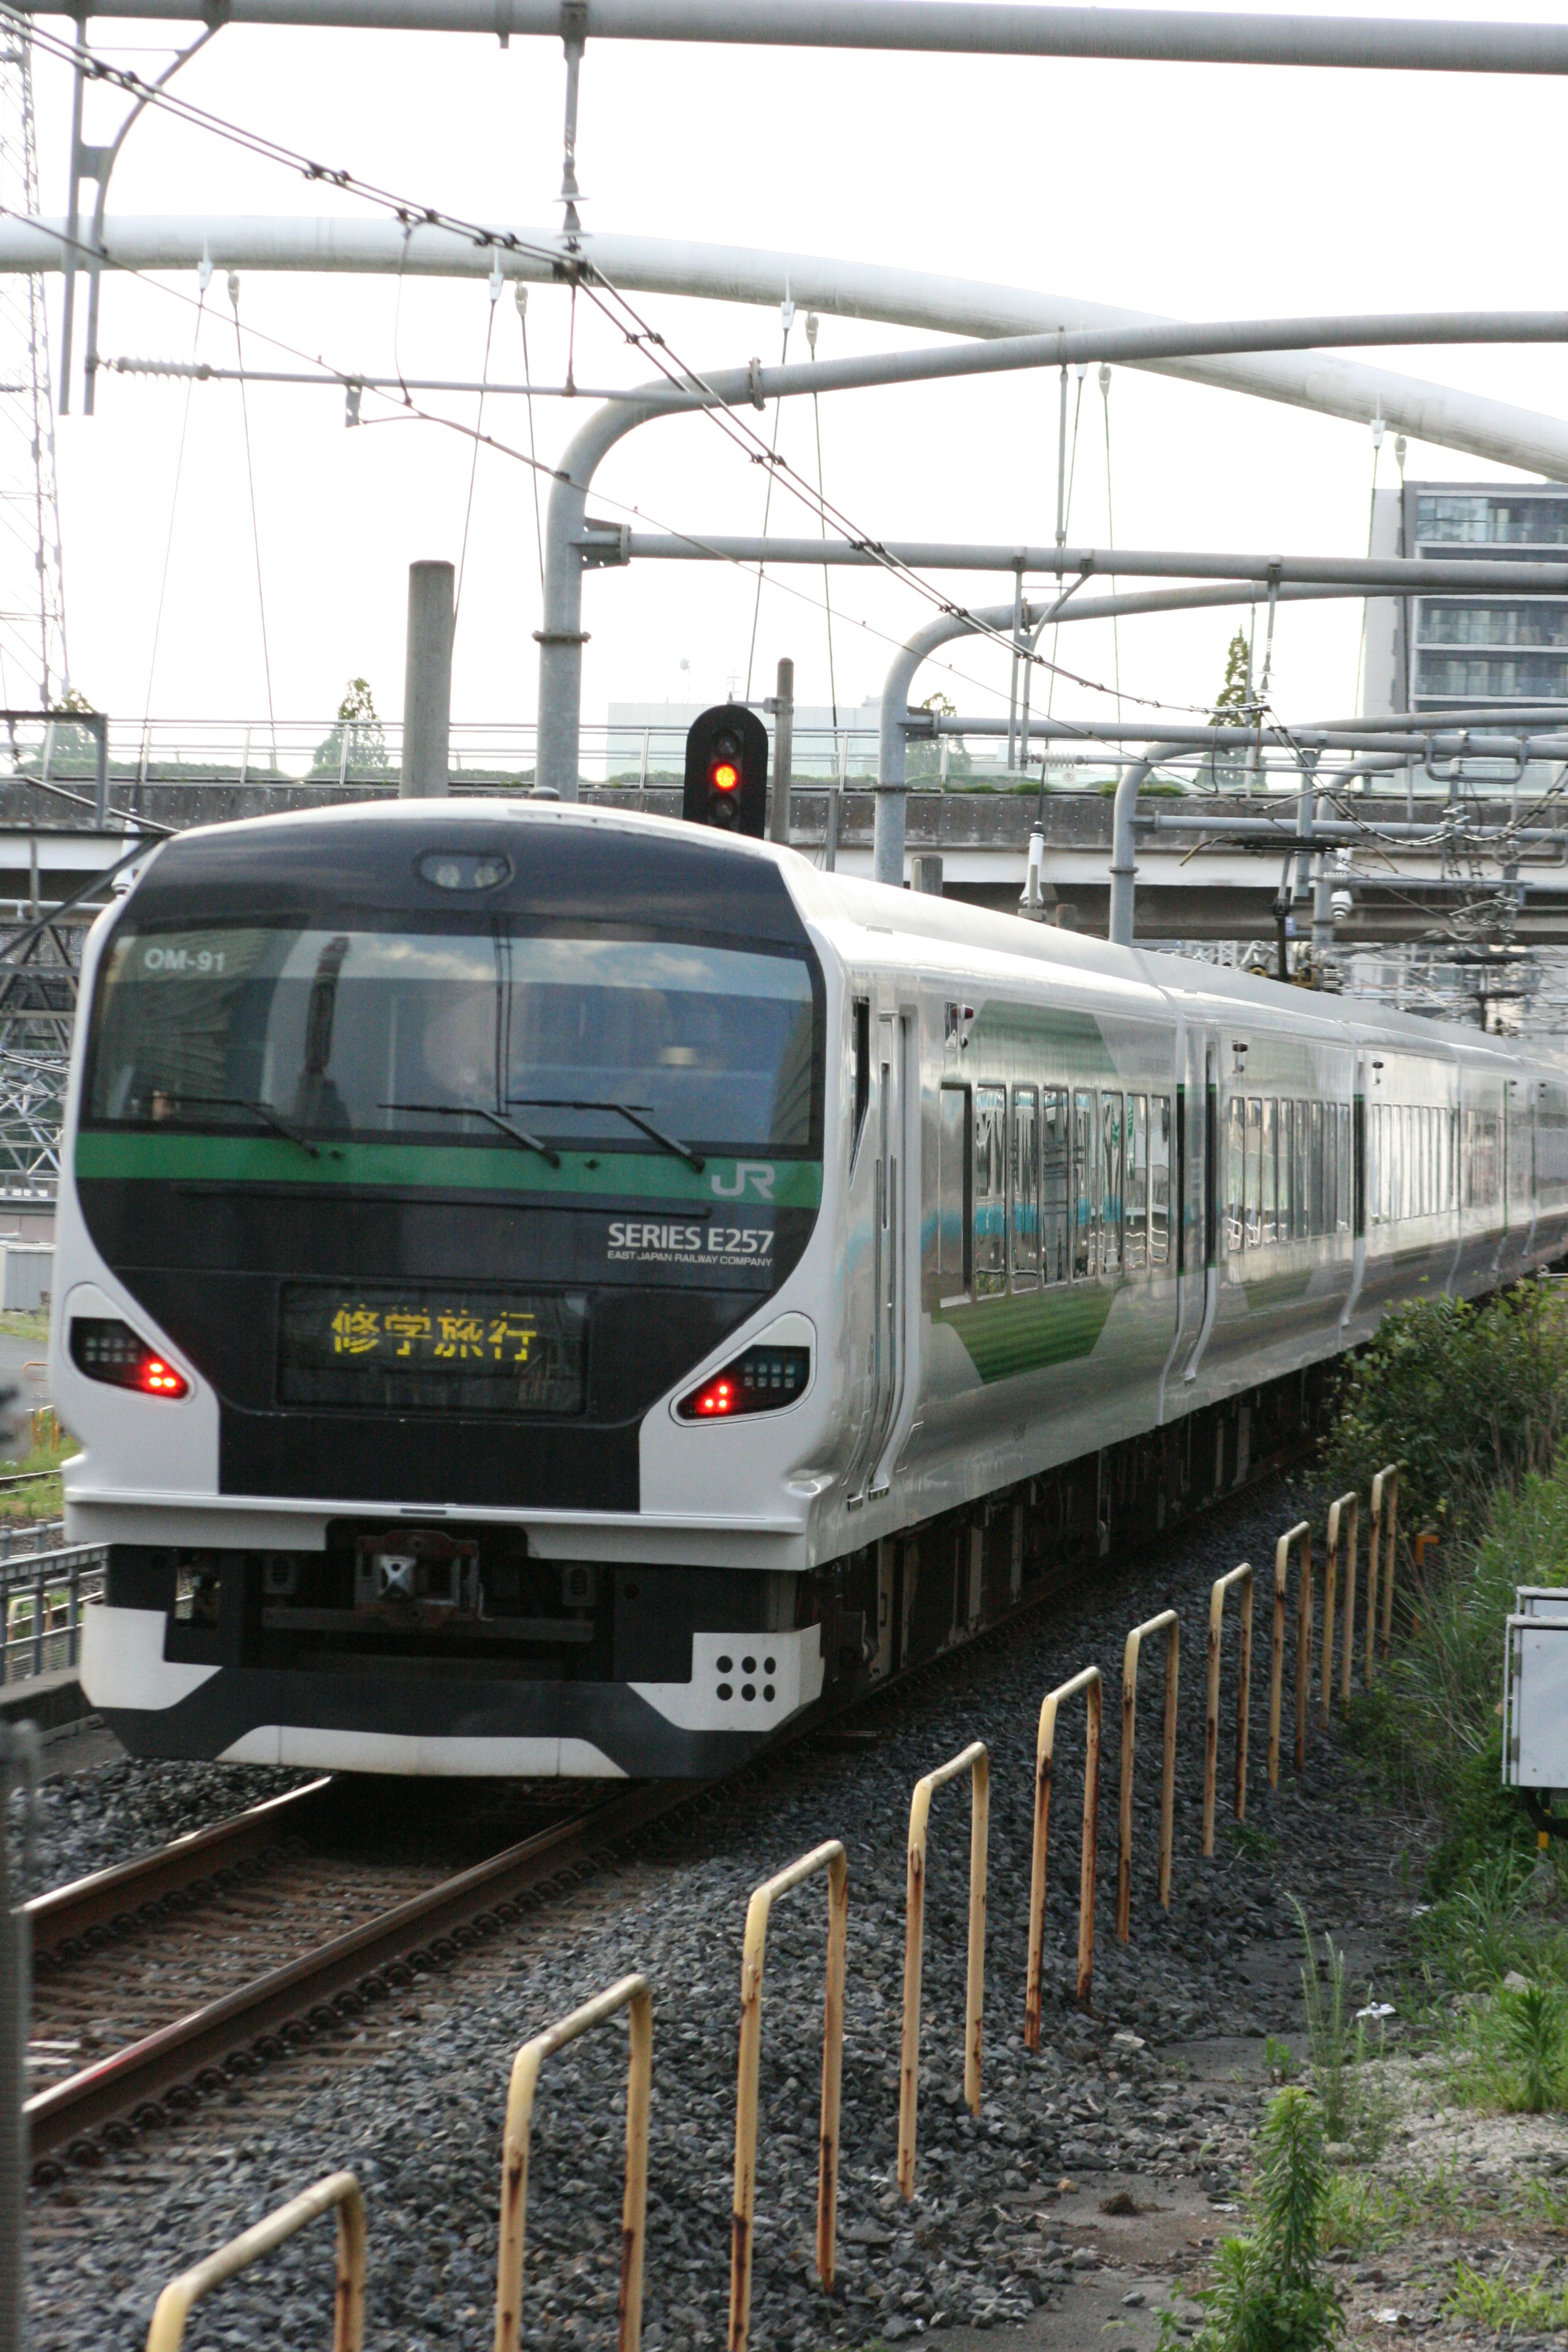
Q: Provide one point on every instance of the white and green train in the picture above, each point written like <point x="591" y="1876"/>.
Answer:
<point x="549" y="1291"/>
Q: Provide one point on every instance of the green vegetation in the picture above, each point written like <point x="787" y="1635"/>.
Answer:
<point x="1369" y="2216"/>
<point x="1472" y="1403"/>
<point x="27" y="1323"/>
<point x="1358" y="2108"/>
<point x="42" y="1450"/>
<point x="1500" y="2302"/>
<point x="1269" y="2294"/>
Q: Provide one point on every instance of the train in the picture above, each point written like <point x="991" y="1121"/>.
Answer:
<point x="546" y="1291"/>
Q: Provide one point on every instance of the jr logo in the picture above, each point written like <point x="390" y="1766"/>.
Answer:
<point x="755" y="1176"/>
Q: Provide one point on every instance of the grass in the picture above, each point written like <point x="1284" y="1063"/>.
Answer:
<point x="1502" y="2302"/>
<point x="1371" y="2216"/>
<point x="44" y="1496"/>
<point x="26" y="1323"/>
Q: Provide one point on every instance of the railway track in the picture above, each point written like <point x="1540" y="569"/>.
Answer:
<point x="216" y="1899"/>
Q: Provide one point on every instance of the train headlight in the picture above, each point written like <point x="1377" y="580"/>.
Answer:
<point x="107" y="1349"/>
<point x="761" y="1380"/>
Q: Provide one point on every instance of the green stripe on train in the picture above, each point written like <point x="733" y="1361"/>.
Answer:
<point x="149" y="1157"/>
<point x="1004" y="1336"/>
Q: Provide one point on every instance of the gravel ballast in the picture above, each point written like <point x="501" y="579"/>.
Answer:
<point x="413" y="2101"/>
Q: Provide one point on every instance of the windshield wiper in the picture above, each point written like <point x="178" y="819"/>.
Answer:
<point x="672" y="1143"/>
<point x="257" y="1109"/>
<point x="518" y="1135"/>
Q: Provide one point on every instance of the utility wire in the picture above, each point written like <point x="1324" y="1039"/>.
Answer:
<point x="533" y="446"/>
<point x="255" y="523"/>
<point x="174" y="509"/>
<point x="768" y="500"/>
<point x="474" y="467"/>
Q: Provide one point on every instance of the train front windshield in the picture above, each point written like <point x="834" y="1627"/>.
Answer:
<point x="585" y="1038"/>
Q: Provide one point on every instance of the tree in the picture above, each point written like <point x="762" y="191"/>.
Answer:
<point x="1237" y="692"/>
<point x="925" y="759"/>
<point x="360" y="729"/>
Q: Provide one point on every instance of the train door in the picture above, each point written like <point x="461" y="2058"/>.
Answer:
<point x="1199" y="1230"/>
<point x="1518" y="1174"/>
<point x="894" y="1101"/>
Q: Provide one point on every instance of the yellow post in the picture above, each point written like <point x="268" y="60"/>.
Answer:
<point x="829" y="1857"/>
<point x="1088" y="1683"/>
<point x="1165" y="1622"/>
<point x="339" y="2191"/>
<point x="1387" y="1480"/>
<point x="1300" y="1534"/>
<point x="1344" y="1506"/>
<point x="976" y="1762"/>
<point x="1242" y="1576"/>
<point x="632" y="1993"/>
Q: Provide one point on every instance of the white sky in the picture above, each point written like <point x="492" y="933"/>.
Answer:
<point x="1195" y="190"/>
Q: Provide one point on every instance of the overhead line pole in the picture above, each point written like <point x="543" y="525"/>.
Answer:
<point x="954" y="27"/>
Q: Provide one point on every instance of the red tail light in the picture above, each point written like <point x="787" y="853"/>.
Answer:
<point x="761" y="1380"/>
<point x="107" y="1349"/>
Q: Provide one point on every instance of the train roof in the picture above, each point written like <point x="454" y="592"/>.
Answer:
<point x="830" y="901"/>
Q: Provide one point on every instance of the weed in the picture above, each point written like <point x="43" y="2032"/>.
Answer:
<point x="1268" y="2294"/>
<point x="1498" y="2303"/>
<point x="1330" y="2040"/>
<point x="1531" y="2028"/>
<point x="1257" y="1843"/>
<point x="1546" y="2201"/>
<point x="1279" y="2059"/>
<point x="1371" y="2216"/>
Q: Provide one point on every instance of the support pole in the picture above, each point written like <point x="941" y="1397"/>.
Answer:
<point x="427" y="682"/>
<point x="783" y="752"/>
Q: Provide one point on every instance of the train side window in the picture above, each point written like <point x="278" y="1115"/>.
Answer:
<point x="1110" y="1166"/>
<point x="1159" y="1141"/>
<point x="1025" y="1187"/>
<point x="1086" y="1183"/>
<point x="1287" y="1171"/>
<point x="1267" y="1227"/>
<point x="1252" y="1174"/>
<point x="1056" y="1183"/>
<point x="862" y="1073"/>
<point x="1234" y="1160"/>
<point x="953" y="1254"/>
<point x="1136" y="1243"/>
<point x="990" y="1190"/>
<point x="1344" y="1185"/>
<point x="1316" y="1221"/>
<point x="1379" y="1173"/>
<point x="1304" y="1226"/>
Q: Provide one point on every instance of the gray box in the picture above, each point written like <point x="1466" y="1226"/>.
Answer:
<point x="26" y="1275"/>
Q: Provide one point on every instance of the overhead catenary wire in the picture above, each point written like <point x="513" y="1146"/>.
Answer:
<point x="254" y="520"/>
<point x="812" y="328"/>
<point x="787" y="316"/>
<point x="532" y="444"/>
<point x="494" y="289"/>
<point x="174" y="510"/>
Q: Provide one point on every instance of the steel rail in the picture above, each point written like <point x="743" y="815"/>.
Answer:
<point x="162" y="2061"/>
<point x="127" y="1887"/>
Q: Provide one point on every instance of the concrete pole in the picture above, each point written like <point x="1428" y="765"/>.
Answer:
<point x="427" y="682"/>
<point x="784" y="750"/>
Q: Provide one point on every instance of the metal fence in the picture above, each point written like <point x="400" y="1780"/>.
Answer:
<point x="42" y="1594"/>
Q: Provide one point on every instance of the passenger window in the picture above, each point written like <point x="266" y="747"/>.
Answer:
<point x="1235" y="1156"/>
<point x="1159" y="1180"/>
<point x="990" y="1190"/>
<point x="1111" y="1214"/>
<point x="1301" y="1223"/>
<point x="1252" y="1174"/>
<point x="1268" y="1225"/>
<point x="1086" y="1183"/>
<point x="1344" y="1172"/>
<point x="1026" y="1175"/>
<point x="1287" y="1171"/>
<point x="1137" y="1239"/>
<point x="1056" y="1184"/>
<point x="953" y="1192"/>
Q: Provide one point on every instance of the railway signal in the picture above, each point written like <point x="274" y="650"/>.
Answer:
<point x="727" y="771"/>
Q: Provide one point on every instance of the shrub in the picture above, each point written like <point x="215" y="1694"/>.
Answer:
<point x="1464" y="1398"/>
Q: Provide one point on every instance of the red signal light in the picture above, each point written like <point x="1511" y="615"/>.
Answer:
<point x="724" y="776"/>
<point x="159" y="1379"/>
